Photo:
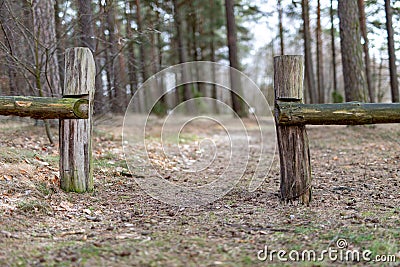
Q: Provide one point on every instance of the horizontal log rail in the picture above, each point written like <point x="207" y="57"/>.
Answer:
<point x="351" y="113"/>
<point x="44" y="107"/>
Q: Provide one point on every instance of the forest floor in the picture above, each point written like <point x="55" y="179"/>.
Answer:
<point x="356" y="199"/>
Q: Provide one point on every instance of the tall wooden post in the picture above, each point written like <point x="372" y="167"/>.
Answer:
<point x="293" y="147"/>
<point x="76" y="170"/>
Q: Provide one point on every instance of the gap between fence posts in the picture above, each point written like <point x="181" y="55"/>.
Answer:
<point x="294" y="152"/>
<point x="76" y="168"/>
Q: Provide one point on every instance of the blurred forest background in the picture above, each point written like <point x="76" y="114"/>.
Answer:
<point x="134" y="39"/>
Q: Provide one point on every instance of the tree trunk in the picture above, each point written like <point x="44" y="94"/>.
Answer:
<point x="214" y="93"/>
<point x="307" y="52"/>
<point x="187" y="91"/>
<point x="333" y="48"/>
<point x="116" y="72"/>
<point x="320" y="59"/>
<point x="238" y="105"/>
<point x="381" y="93"/>
<point x="60" y="31"/>
<point x="143" y="60"/>
<point x="280" y="11"/>
<point x="367" y="63"/>
<point x="394" y="83"/>
<point x="163" y="100"/>
<point x="87" y="39"/>
<point x="85" y="23"/>
<point x="9" y="40"/>
<point x="46" y="44"/>
<point x="131" y="51"/>
<point x="354" y="83"/>
<point x="195" y="44"/>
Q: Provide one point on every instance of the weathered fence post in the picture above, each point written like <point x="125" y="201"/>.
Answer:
<point x="293" y="147"/>
<point x="76" y="171"/>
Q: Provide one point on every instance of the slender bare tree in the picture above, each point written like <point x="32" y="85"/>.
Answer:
<point x="394" y="83"/>
<point x="309" y="70"/>
<point x="237" y="104"/>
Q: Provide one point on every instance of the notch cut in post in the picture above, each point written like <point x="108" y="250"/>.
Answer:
<point x="76" y="168"/>
<point x="294" y="152"/>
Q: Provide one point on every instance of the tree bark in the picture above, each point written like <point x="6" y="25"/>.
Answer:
<point x="214" y="92"/>
<point x="333" y="49"/>
<point x="307" y="52"/>
<point x="46" y="44"/>
<point x="116" y="72"/>
<point x="367" y="61"/>
<point x="85" y="23"/>
<point x="281" y="37"/>
<point x="238" y="105"/>
<point x="87" y="39"/>
<point x="320" y="59"/>
<point x="187" y="91"/>
<point x="354" y="83"/>
<point x="60" y="42"/>
<point x="131" y="51"/>
<point x="394" y="83"/>
<point x="143" y="60"/>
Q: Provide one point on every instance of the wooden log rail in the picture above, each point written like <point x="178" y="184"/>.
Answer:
<point x="44" y="107"/>
<point x="351" y="113"/>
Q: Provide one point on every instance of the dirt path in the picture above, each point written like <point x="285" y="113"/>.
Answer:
<point x="356" y="184"/>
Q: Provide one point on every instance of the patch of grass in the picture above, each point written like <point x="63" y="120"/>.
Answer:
<point x="184" y="138"/>
<point x="53" y="160"/>
<point x="188" y="138"/>
<point x="248" y="261"/>
<point x="304" y="230"/>
<point x="90" y="250"/>
<point x="108" y="161"/>
<point x="383" y="247"/>
<point x="15" y="155"/>
<point x="359" y="238"/>
<point x="368" y="213"/>
<point x="106" y="136"/>
<point x="12" y="155"/>
<point x="34" y="206"/>
<point x="44" y="189"/>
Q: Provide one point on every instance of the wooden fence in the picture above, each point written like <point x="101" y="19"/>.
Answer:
<point x="74" y="110"/>
<point x="291" y="116"/>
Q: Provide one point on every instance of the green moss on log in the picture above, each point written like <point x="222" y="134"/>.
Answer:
<point x="44" y="107"/>
<point x="352" y="113"/>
